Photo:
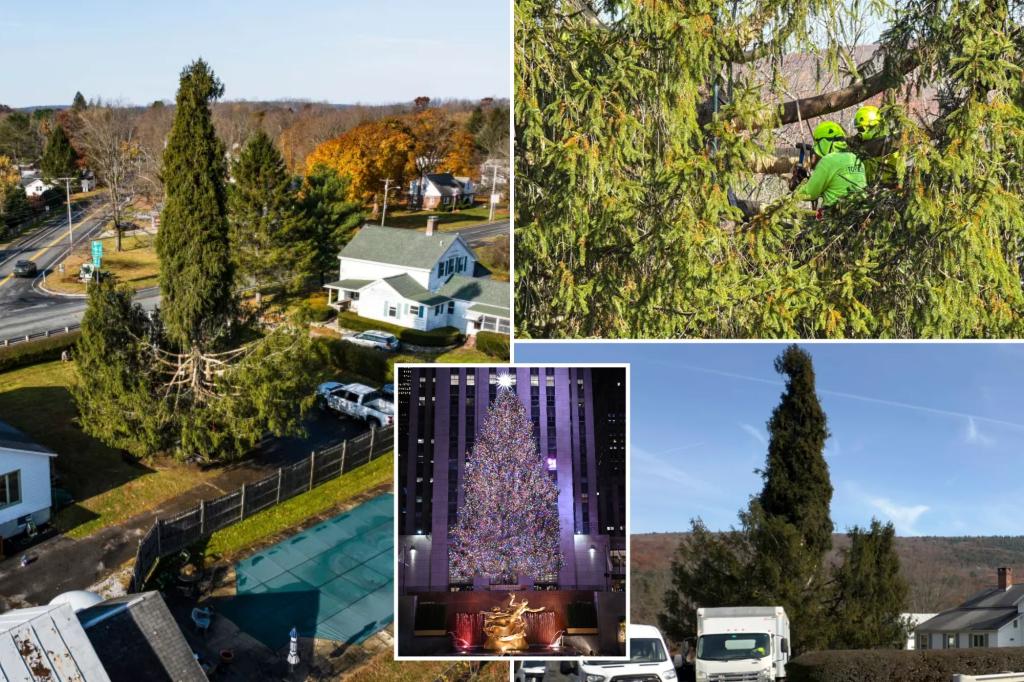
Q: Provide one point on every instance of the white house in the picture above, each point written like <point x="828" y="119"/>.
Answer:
<point x="35" y="187"/>
<point x="418" y="280"/>
<point x="914" y="619"/>
<point x="993" y="617"/>
<point x="24" y="481"/>
<point x="443" y="190"/>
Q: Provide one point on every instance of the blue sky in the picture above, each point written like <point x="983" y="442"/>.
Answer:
<point x="928" y="436"/>
<point x="343" y="51"/>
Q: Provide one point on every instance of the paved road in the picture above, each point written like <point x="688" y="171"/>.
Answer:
<point x="481" y="233"/>
<point x="26" y="309"/>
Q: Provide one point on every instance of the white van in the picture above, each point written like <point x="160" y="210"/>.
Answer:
<point x="648" y="656"/>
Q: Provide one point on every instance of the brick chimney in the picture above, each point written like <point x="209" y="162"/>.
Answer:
<point x="431" y="224"/>
<point x="1005" y="578"/>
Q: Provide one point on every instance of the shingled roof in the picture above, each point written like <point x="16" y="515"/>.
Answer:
<point x="13" y="439"/>
<point x="396" y="246"/>
<point x="483" y="291"/>
<point x="989" y="609"/>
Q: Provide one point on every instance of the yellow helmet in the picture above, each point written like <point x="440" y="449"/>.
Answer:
<point x="828" y="136"/>
<point x="868" y="121"/>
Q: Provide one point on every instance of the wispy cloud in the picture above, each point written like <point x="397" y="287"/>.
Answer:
<point x="856" y="396"/>
<point x="902" y="516"/>
<point x="975" y="437"/>
<point x="755" y="433"/>
<point x="650" y="467"/>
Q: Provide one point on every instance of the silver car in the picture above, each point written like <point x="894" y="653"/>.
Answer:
<point x="376" y="339"/>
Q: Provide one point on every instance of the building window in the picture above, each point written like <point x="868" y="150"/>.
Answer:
<point x="10" y="489"/>
<point x="451" y="307"/>
<point x="392" y="311"/>
<point x="440" y="269"/>
<point x="414" y="310"/>
<point x="923" y="642"/>
<point x="949" y="641"/>
<point x="979" y="640"/>
<point x="439" y="309"/>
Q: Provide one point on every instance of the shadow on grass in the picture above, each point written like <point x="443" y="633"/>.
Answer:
<point x="84" y="466"/>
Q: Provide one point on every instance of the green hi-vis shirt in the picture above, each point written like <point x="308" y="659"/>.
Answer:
<point x="835" y="176"/>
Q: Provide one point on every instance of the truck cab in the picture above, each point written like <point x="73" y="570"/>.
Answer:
<point x="742" y="644"/>
<point x="649" y="660"/>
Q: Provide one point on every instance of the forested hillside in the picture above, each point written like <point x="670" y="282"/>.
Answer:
<point x="942" y="571"/>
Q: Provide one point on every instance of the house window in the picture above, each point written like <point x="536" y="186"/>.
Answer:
<point x="440" y="269"/>
<point x="979" y="640"/>
<point x="923" y="642"/>
<point x="414" y="310"/>
<point x="451" y="307"/>
<point x="392" y="311"/>
<point x="10" y="489"/>
<point x="439" y="309"/>
<point x="451" y="264"/>
<point x="503" y="325"/>
<point x="949" y="641"/>
<point x="353" y="295"/>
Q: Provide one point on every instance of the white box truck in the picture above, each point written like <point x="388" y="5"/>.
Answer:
<point x="742" y="644"/>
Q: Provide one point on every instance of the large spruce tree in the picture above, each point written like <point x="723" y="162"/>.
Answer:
<point x="267" y="235"/>
<point x="58" y="156"/>
<point x="196" y="378"/>
<point x="636" y="121"/>
<point x="778" y="554"/>
<point x="196" y="272"/>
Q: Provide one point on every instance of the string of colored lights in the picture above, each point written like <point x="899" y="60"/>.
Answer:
<point x="508" y="524"/>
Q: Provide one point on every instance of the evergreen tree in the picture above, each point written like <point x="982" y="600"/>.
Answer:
<point x="508" y="525"/>
<point x="777" y="555"/>
<point x="267" y="228"/>
<point x="869" y="594"/>
<point x="78" y="104"/>
<point x="115" y="382"/>
<point x="628" y="145"/>
<point x="196" y="272"/>
<point x="58" y="157"/>
<point x="797" y="488"/>
<point x="331" y="218"/>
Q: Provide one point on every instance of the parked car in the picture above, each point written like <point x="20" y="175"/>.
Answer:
<point x="358" y="401"/>
<point x="376" y="339"/>
<point x="25" y="268"/>
<point x="648" y="659"/>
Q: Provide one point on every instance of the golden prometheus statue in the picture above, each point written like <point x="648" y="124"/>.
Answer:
<point x="505" y="627"/>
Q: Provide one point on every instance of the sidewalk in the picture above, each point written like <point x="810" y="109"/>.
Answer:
<point x="61" y="564"/>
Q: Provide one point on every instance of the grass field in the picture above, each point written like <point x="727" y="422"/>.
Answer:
<point x="291" y="514"/>
<point x="107" y="488"/>
<point x="136" y="264"/>
<point x="447" y="221"/>
<point x="384" y="668"/>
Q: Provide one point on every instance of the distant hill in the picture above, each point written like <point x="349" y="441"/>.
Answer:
<point x="941" y="571"/>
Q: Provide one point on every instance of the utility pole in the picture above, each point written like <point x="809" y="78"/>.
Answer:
<point x="384" y="211"/>
<point x="494" y="193"/>
<point x="67" y="189"/>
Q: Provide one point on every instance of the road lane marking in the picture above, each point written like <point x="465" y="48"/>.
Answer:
<point x="49" y="246"/>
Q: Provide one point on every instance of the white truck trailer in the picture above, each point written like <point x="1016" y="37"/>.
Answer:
<point x="742" y="644"/>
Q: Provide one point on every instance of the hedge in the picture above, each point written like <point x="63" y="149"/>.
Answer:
<point x="41" y="350"/>
<point x="348" y="357"/>
<point x="888" y="665"/>
<point x="494" y="344"/>
<point x="445" y="336"/>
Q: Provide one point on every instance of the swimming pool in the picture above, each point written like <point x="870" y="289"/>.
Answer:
<point x="332" y="581"/>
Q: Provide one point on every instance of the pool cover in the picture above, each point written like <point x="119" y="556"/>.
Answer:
<point x="332" y="581"/>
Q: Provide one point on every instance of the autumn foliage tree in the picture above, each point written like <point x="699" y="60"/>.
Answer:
<point x="367" y="155"/>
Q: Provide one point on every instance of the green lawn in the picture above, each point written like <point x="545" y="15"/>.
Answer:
<point x="289" y="515"/>
<point x="107" y="488"/>
<point x="136" y="264"/>
<point x="384" y="668"/>
<point x="447" y="221"/>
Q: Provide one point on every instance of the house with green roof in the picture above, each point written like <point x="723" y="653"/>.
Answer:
<point x="418" y="280"/>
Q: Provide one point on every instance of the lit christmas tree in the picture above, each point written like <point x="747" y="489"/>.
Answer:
<point x="508" y="525"/>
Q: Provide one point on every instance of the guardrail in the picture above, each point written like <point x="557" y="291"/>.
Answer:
<point x="171" y="535"/>
<point x="1003" y="677"/>
<point x="14" y="340"/>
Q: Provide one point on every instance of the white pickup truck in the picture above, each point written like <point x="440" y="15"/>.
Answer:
<point x="358" y="401"/>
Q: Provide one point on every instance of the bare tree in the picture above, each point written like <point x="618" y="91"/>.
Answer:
<point x="112" y="152"/>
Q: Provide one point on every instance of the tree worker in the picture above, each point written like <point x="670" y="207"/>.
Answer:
<point x="879" y="166"/>
<point x="838" y="172"/>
